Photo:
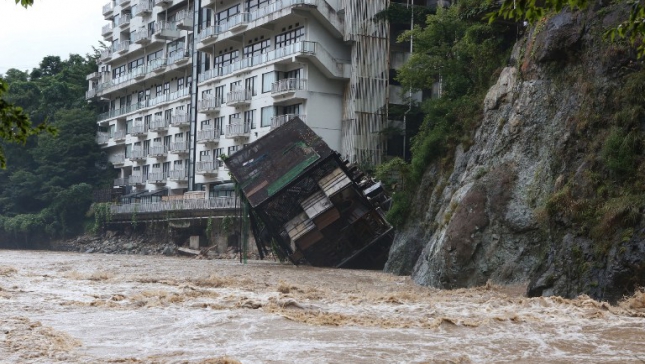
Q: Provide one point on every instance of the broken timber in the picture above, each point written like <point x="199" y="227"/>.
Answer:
<point x="308" y="204"/>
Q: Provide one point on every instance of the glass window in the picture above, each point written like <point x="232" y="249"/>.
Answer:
<point x="267" y="114"/>
<point x="267" y="80"/>
<point x="258" y="48"/>
<point x="249" y="84"/>
<point x="256" y="4"/>
<point x="249" y="117"/>
<point x="289" y="37"/>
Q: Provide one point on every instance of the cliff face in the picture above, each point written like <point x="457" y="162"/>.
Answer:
<point x="507" y="210"/>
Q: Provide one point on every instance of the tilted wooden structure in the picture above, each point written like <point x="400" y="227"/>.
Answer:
<point x="308" y="203"/>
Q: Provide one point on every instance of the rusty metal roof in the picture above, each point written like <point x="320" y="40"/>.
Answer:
<point x="269" y="164"/>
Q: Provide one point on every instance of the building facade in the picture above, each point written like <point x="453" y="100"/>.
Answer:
<point x="187" y="82"/>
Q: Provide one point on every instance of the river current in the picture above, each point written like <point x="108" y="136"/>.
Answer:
<point x="89" y="308"/>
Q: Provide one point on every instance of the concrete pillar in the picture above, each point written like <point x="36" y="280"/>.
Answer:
<point x="194" y="242"/>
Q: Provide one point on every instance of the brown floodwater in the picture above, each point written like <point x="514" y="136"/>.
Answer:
<point x="88" y="308"/>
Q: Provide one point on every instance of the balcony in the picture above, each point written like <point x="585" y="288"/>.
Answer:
<point x="207" y="168"/>
<point x="288" y="86"/>
<point x="238" y="129"/>
<point x="279" y="120"/>
<point x="206" y="136"/>
<point x="180" y="120"/>
<point x="120" y="182"/>
<point x="163" y="2"/>
<point x="167" y="30"/>
<point x="176" y="205"/>
<point x="209" y="106"/>
<point x="135" y="180"/>
<point x="106" y="54"/>
<point x="157" y="65"/>
<point x="124" y="4"/>
<point x="178" y="175"/>
<point x="93" y="76"/>
<point x="158" y="151"/>
<point x="159" y="125"/>
<point x="157" y="178"/>
<point x="144" y="8"/>
<point x="179" y="57"/>
<point x="141" y="36"/>
<point x="118" y="159"/>
<point x="123" y="21"/>
<point x="137" y="155"/>
<point x="122" y="47"/>
<point x="138" y="130"/>
<point x="107" y="30"/>
<point x="239" y="97"/>
<point x="238" y="22"/>
<point x="208" y="36"/>
<point x="184" y="19"/>
<point x="108" y="9"/>
<point x="138" y="73"/>
<point x="90" y="94"/>
<point x="102" y="137"/>
<point x="180" y="147"/>
<point x="119" y="135"/>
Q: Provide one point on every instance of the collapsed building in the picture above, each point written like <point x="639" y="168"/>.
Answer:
<point x="308" y="204"/>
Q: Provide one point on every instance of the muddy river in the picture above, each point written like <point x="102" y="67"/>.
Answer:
<point x="88" y="308"/>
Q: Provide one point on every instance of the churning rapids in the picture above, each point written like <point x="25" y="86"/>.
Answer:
<point x="82" y="308"/>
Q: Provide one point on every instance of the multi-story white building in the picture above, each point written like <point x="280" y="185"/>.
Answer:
<point x="186" y="82"/>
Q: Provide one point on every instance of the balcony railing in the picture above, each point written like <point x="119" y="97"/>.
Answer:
<point x="208" y="135"/>
<point x="123" y="20"/>
<point x="90" y="93"/>
<point x="178" y="56"/>
<point x="209" y="105"/>
<point x="141" y="36"/>
<point x="238" y="21"/>
<point x="166" y="30"/>
<point x="135" y="179"/>
<point x="180" y="120"/>
<point x="163" y="2"/>
<point x="184" y="19"/>
<point x="156" y="176"/>
<point x="207" y="167"/>
<point x="93" y="76"/>
<point x="107" y="9"/>
<point x="209" y="34"/>
<point x="239" y="97"/>
<point x="137" y="154"/>
<point x="106" y="30"/>
<point x="120" y="182"/>
<point x="179" y="147"/>
<point x="119" y="135"/>
<point x="144" y="7"/>
<point x="288" y="85"/>
<point x="178" y="175"/>
<point x="303" y="47"/>
<point x="238" y="128"/>
<point x="156" y="64"/>
<point x="105" y="54"/>
<point x="279" y="120"/>
<point x="158" y="151"/>
<point x="176" y="205"/>
<point x="138" y="130"/>
<point x="123" y="3"/>
<point x="102" y="137"/>
<point x="122" y="47"/>
<point x="159" y="124"/>
<point x="117" y="159"/>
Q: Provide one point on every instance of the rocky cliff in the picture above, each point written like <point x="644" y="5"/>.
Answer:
<point x="551" y="190"/>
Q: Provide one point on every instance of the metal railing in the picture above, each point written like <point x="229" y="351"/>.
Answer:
<point x="209" y="32"/>
<point x="144" y="7"/>
<point x="139" y="35"/>
<point x="105" y="54"/>
<point x="208" y="135"/>
<point x="138" y="129"/>
<point x="118" y="158"/>
<point x="176" y="205"/>
<point x="156" y="176"/>
<point x="107" y="9"/>
<point x="158" y="150"/>
<point x="239" y="96"/>
<point x="119" y="134"/>
<point x="123" y="20"/>
<point x="156" y="64"/>
<point x="209" y="104"/>
<point x="177" y="56"/>
<point x="102" y="137"/>
<point x="180" y="119"/>
<point x="107" y="29"/>
<point x="163" y="26"/>
<point x="179" y="147"/>
<point x="238" y="128"/>
<point x="159" y="124"/>
<point x="122" y="46"/>
<point x="279" y="120"/>
<point x="178" y="174"/>
<point x="135" y="179"/>
<point x="137" y="154"/>
<point x="289" y="84"/>
<point x="207" y="167"/>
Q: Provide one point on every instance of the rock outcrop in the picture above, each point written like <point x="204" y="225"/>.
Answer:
<point x="488" y="218"/>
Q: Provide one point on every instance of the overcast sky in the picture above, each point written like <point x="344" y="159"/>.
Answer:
<point x="50" y="27"/>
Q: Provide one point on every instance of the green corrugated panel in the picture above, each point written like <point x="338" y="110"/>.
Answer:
<point x="291" y="175"/>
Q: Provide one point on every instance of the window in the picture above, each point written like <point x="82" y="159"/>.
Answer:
<point x="206" y="94"/>
<point x="166" y="141"/>
<point x="291" y="109"/>
<point x="118" y="71"/>
<point x="146" y="121"/>
<point x="128" y="126"/>
<point x="206" y="18"/>
<point x="136" y="63"/>
<point x="267" y="114"/>
<point x="155" y="55"/>
<point x="205" y="124"/>
<point x="158" y="90"/>
<point x="151" y="28"/>
<point x="141" y="96"/>
<point x="204" y="62"/>
<point x="174" y="47"/>
<point x="218" y="124"/>
<point x="219" y="93"/>
<point x="235" y="86"/>
<point x="166" y="88"/>
<point x="167" y="115"/>
<point x="249" y="84"/>
<point x="178" y="165"/>
<point x="145" y="171"/>
<point x="205" y="155"/>
<point x="267" y="80"/>
<point x="225" y="59"/>
<point x="166" y="169"/>
<point x="146" y="147"/>
<point x="292" y="74"/>
<point x="233" y="118"/>
<point x="256" y="4"/>
<point x="128" y="150"/>
<point x="225" y="15"/>
<point x="179" y="137"/>
<point x="257" y="48"/>
<point x="289" y="36"/>
<point x="249" y="118"/>
<point x="180" y="84"/>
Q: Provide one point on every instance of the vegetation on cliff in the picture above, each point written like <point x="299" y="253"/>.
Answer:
<point x="47" y="185"/>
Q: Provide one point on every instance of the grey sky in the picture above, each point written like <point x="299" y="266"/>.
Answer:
<point x="50" y="27"/>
